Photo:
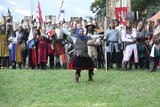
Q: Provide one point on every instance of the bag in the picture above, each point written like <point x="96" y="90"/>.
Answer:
<point x="10" y="46"/>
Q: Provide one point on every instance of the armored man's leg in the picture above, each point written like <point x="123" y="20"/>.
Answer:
<point x="77" y="75"/>
<point x="90" y="74"/>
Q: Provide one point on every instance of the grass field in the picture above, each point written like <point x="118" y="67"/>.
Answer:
<point x="56" y="88"/>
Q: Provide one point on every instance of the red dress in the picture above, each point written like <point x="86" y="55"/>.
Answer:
<point x="42" y="50"/>
<point x="59" y="49"/>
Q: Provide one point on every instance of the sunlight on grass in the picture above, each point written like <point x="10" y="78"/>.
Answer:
<point x="36" y="88"/>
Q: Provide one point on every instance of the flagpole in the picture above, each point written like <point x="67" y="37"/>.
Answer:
<point x="60" y="11"/>
<point x="31" y="1"/>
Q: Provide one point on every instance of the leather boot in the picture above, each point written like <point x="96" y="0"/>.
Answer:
<point x="13" y="65"/>
<point x="77" y="78"/>
<point x="90" y="75"/>
<point x="20" y="65"/>
<point x="125" y="66"/>
<point x="153" y="65"/>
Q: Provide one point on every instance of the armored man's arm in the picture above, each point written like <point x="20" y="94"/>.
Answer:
<point x="69" y="34"/>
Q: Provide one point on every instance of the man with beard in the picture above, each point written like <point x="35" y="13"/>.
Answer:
<point x="130" y="52"/>
<point x="112" y="36"/>
<point x="92" y="44"/>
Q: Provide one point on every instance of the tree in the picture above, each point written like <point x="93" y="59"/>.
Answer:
<point x="146" y="7"/>
<point x="99" y="7"/>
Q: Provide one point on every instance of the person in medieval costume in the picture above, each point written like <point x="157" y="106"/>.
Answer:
<point x="129" y="38"/>
<point x="68" y="45"/>
<point x="24" y="46"/>
<point x="100" y="49"/>
<point x="51" y="46"/>
<point x="155" y="51"/>
<point x="59" y="50"/>
<point x="48" y="26"/>
<point x="113" y="37"/>
<point x="81" y="59"/>
<point x="15" y="53"/>
<point x="4" y="50"/>
<point x="143" y="51"/>
<point x="32" y="53"/>
<point x="120" y="27"/>
<point x="92" y="44"/>
<point x="42" y="50"/>
<point x="74" y="26"/>
<point x="84" y="24"/>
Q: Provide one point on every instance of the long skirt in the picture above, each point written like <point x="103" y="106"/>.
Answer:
<point x="81" y="63"/>
<point x="59" y="49"/>
<point x="13" y="52"/>
<point x="18" y="57"/>
<point x="4" y="50"/>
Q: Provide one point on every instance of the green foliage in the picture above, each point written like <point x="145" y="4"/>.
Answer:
<point x="56" y="88"/>
<point x="151" y="6"/>
<point x="100" y="6"/>
<point x="138" y="5"/>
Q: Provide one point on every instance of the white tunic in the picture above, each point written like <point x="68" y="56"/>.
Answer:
<point x="132" y="48"/>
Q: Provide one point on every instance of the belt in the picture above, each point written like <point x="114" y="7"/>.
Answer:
<point x="114" y="41"/>
<point x="129" y="43"/>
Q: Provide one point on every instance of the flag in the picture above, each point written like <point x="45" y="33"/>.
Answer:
<point x="39" y="13"/>
<point x="61" y="14"/>
<point x="121" y="14"/>
<point x="9" y="12"/>
<point x="31" y="41"/>
<point x="3" y="19"/>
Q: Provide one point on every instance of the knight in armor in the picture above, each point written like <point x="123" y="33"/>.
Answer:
<point x="81" y="60"/>
<point x="59" y="48"/>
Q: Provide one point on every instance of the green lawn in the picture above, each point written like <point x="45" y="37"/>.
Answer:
<point x="56" y="88"/>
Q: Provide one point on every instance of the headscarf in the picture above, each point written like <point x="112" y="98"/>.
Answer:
<point x="79" y="36"/>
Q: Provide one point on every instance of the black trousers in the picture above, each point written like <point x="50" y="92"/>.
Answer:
<point x="51" y="61"/>
<point x="113" y="58"/>
<point x="154" y="62"/>
<point x="4" y="61"/>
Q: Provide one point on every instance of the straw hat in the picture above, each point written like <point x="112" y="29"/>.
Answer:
<point x="90" y="24"/>
<point x="100" y="31"/>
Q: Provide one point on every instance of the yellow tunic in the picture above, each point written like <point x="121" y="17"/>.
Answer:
<point x="4" y="50"/>
<point x="18" y="57"/>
